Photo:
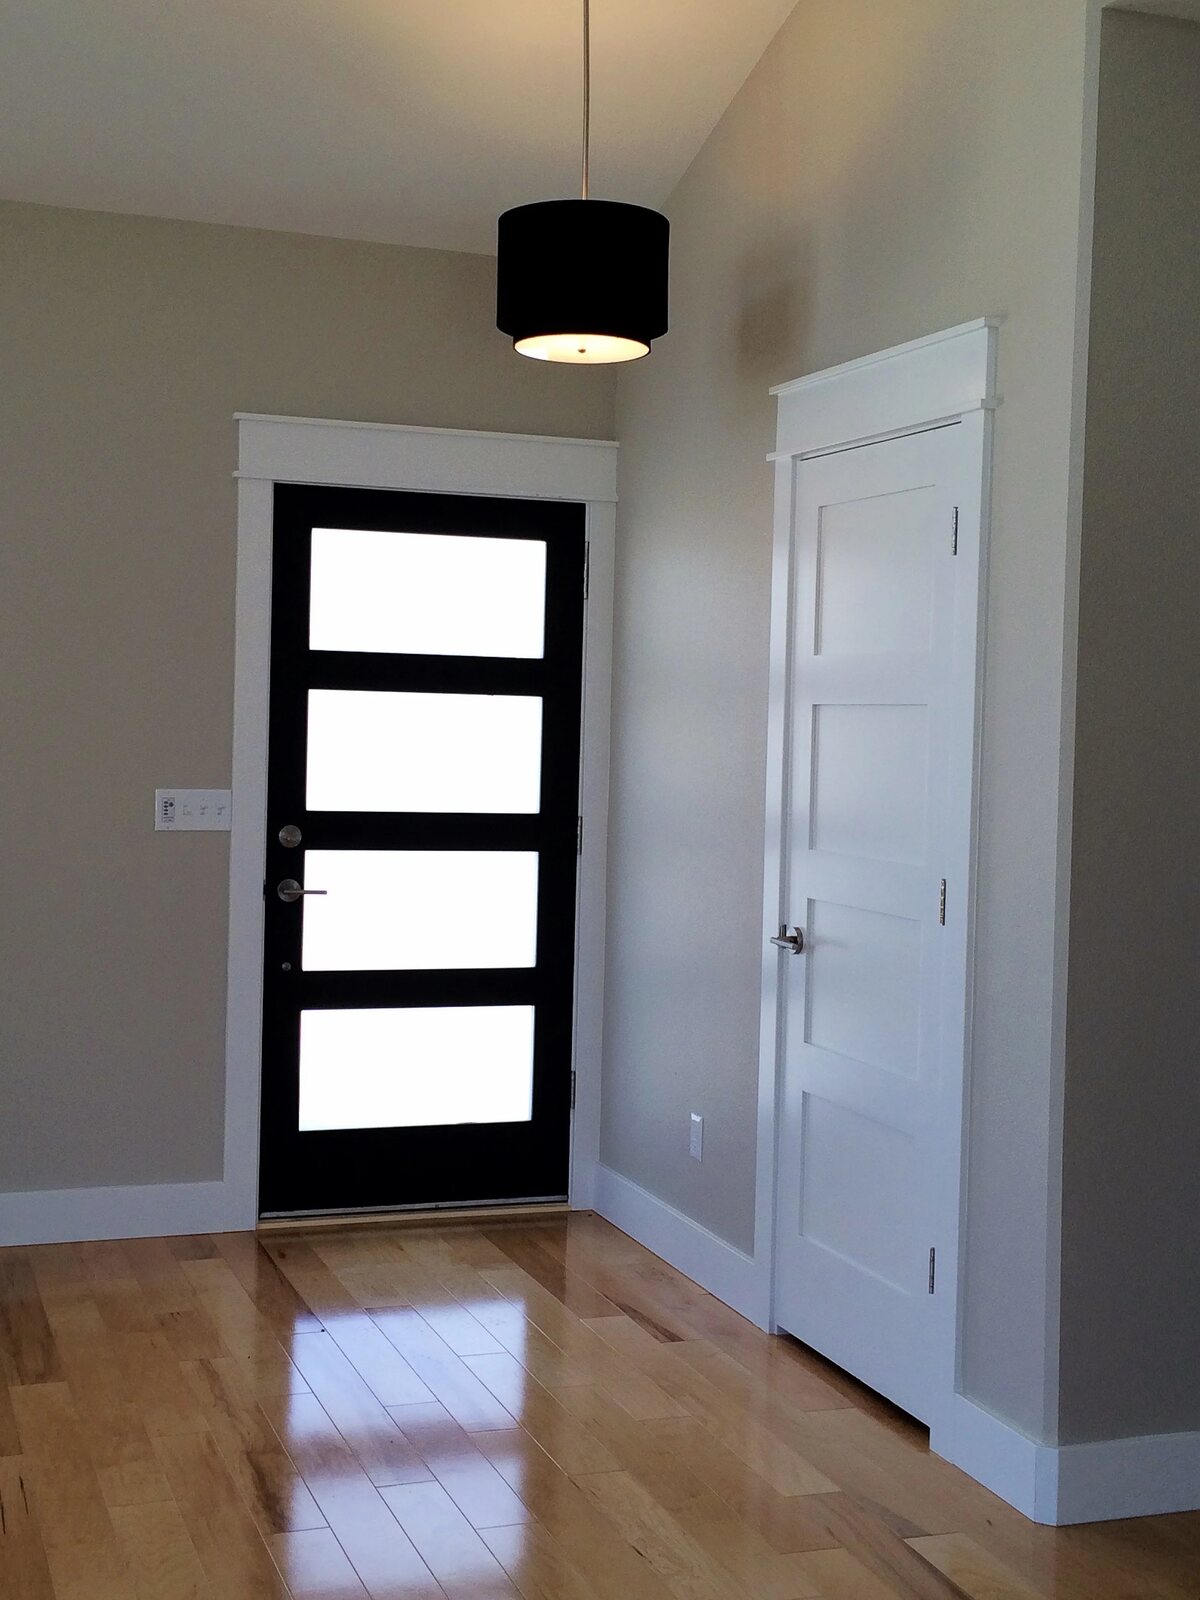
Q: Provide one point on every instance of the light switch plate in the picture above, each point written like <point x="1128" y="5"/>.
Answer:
<point x="194" y="810"/>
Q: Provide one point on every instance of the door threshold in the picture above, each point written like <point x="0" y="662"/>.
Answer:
<point x="419" y="1216"/>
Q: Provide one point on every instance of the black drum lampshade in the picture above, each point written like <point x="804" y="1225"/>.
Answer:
<point x="583" y="281"/>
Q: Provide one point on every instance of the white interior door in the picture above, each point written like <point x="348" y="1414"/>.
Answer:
<point x="880" y="753"/>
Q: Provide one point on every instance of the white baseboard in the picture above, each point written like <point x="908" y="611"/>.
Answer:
<point x="1062" y="1484"/>
<point x="1145" y="1477"/>
<point x="714" y="1263"/>
<point x="65" y="1216"/>
<point x="995" y="1454"/>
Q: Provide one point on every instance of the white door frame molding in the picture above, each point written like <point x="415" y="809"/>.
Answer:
<point x="431" y="460"/>
<point x="949" y="378"/>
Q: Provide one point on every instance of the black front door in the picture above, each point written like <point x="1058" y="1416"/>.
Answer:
<point x="422" y="800"/>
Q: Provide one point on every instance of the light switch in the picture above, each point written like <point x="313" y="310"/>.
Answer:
<point x="197" y="810"/>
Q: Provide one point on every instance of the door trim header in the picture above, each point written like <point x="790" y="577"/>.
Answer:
<point x="937" y="379"/>
<point x="378" y="455"/>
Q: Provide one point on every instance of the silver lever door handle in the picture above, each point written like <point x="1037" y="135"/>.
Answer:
<point x="290" y="890"/>
<point x="792" y="942"/>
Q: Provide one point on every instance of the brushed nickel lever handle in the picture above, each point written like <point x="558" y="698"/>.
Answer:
<point x="290" y="890"/>
<point x="792" y="942"/>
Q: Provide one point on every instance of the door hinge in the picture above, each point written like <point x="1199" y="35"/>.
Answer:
<point x="578" y="836"/>
<point x="942" y="904"/>
<point x="954" y="538"/>
<point x="932" y="1267"/>
<point x="572" y="1091"/>
<point x="587" y="567"/>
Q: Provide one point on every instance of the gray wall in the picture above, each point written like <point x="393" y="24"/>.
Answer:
<point x="1131" y="1210"/>
<point x="126" y="345"/>
<point x="891" y="167"/>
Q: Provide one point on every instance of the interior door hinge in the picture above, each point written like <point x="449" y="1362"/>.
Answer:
<point x="572" y="1091"/>
<point x="954" y="541"/>
<point x="587" y="567"/>
<point x="578" y="836"/>
<point x="932" y="1267"/>
<point x="942" y="904"/>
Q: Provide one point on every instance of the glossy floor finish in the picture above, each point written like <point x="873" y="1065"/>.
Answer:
<point x="538" y="1409"/>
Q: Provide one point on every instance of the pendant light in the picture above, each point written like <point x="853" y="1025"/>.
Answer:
<point x="583" y="281"/>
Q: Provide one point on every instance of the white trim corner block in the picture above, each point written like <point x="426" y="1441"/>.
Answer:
<point x="730" y="1274"/>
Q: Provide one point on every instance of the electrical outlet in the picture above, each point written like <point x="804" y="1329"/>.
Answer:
<point x="197" y="810"/>
<point x="696" y="1138"/>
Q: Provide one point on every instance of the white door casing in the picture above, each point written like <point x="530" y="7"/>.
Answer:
<point x="441" y="461"/>
<point x="876" y="678"/>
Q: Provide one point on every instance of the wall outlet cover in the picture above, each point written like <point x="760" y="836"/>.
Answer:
<point x="696" y="1138"/>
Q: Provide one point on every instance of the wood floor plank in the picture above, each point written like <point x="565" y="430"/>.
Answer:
<point x="193" y="1247"/>
<point x="974" y="1571"/>
<point x="778" y="1364"/>
<point x="380" y="1551"/>
<point x="377" y="1359"/>
<point x="458" y="1558"/>
<point x="583" y="1348"/>
<point x="789" y="1523"/>
<point x="24" y="1572"/>
<point x="783" y="1467"/>
<point x="658" y="1539"/>
<point x="456" y="1461"/>
<point x="446" y="1377"/>
<point x="156" y="1267"/>
<point x="111" y="1425"/>
<point x="315" y="1567"/>
<point x="28" y="1353"/>
<point x="876" y="1547"/>
<point x="192" y="1333"/>
<point x="575" y="1293"/>
<point x="10" y="1439"/>
<point x="155" y="1385"/>
<point x="64" y="1289"/>
<point x="613" y="1568"/>
<point x="537" y="1564"/>
<point x="160" y="1552"/>
<point x="362" y="1420"/>
<point x="235" y="1560"/>
<point x="273" y="1294"/>
<point x="839" y="1576"/>
<point x="544" y="1416"/>
<point x="254" y="1458"/>
<point x="85" y="1561"/>
<point x="309" y="1276"/>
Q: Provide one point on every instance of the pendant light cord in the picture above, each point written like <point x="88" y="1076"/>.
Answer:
<point x="587" y="89"/>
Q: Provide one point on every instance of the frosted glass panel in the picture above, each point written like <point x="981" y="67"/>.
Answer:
<point x="427" y="593"/>
<point x="416" y="1068"/>
<point x="374" y="751"/>
<point x="412" y="909"/>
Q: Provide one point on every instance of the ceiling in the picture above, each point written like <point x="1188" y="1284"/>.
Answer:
<point x="413" y="121"/>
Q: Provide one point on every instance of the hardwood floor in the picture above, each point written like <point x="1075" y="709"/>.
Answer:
<point x="540" y="1410"/>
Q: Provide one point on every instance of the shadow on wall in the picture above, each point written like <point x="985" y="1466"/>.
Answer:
<point x="774" y="305"/>
<point x="869" y="155"/>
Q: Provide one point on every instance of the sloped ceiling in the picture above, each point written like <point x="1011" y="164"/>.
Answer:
<point x="414" y="121"/>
